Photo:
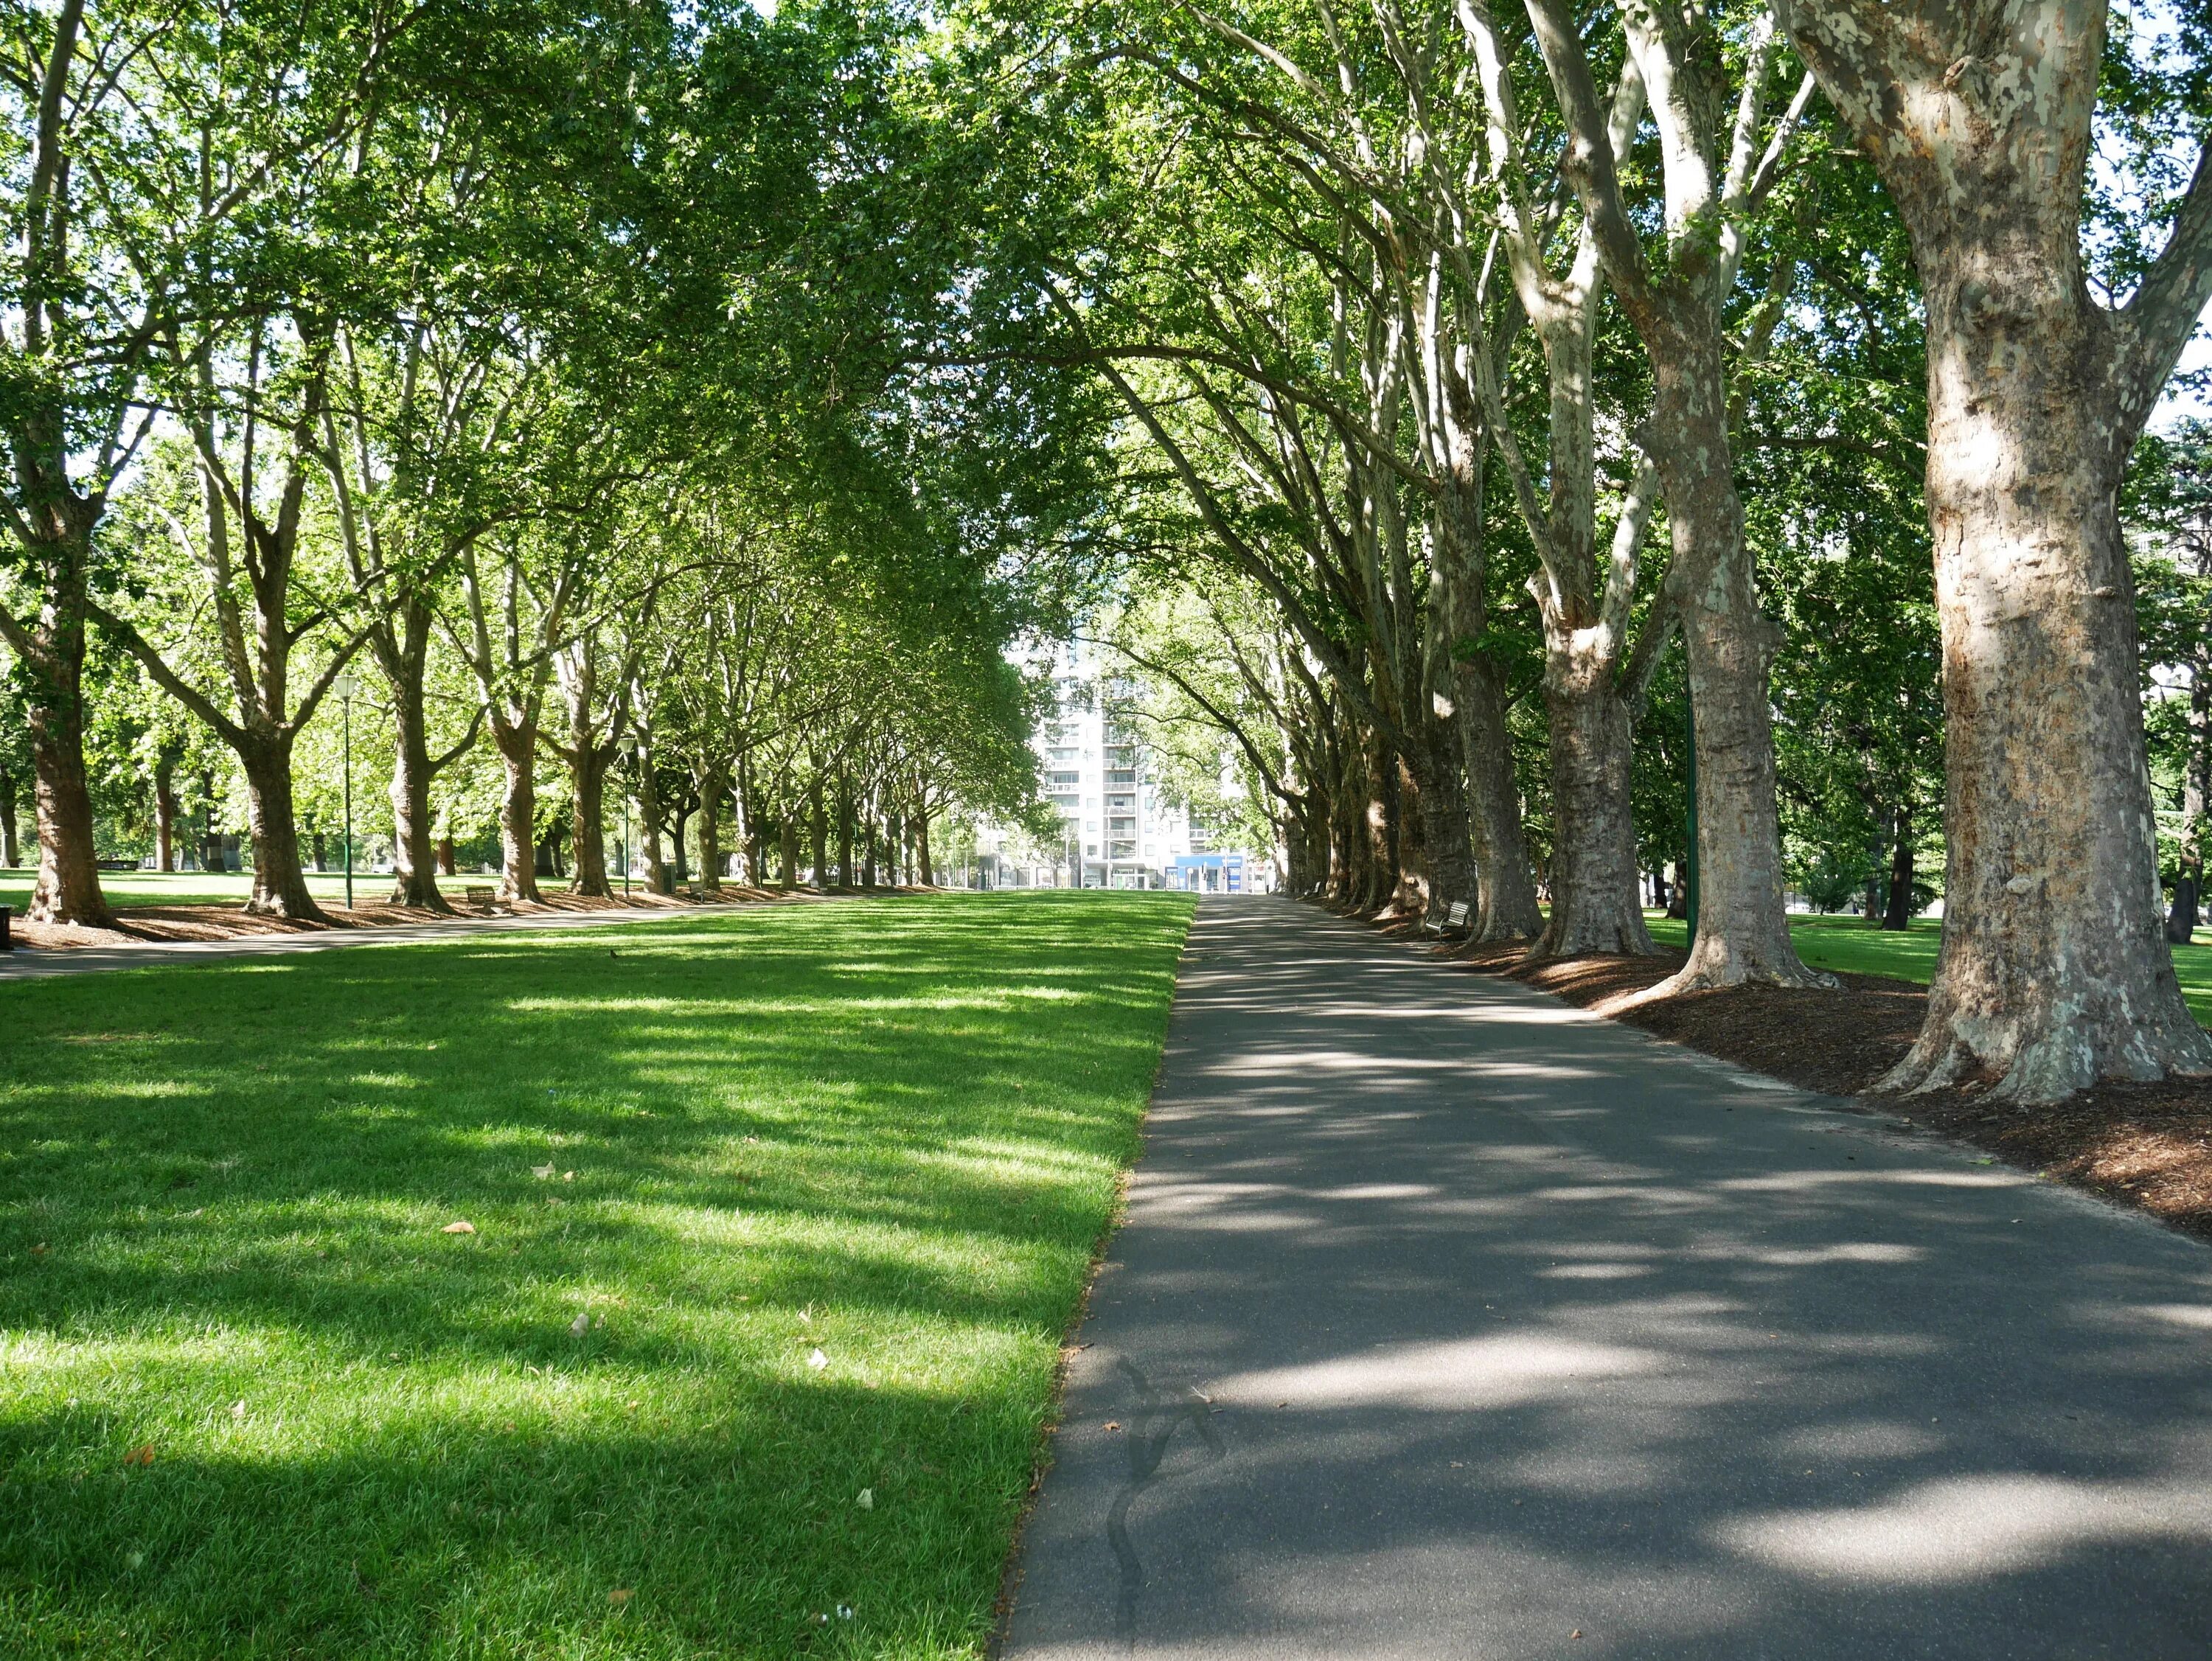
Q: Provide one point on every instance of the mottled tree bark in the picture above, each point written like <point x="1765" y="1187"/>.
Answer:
<point x="515" y="736"/>
<point x="1898" y="915"/>
<point x="67" y="890"/>
<point x="1743" y="928"/>
<point x="713" y="784"/>
<point x="2055" y="970"/>
<point x="1596" y="904"/>
<point x="280" y="885"/>
<point x="165" y="815"/>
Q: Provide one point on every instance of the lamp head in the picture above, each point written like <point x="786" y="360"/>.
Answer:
<point x="345" y="685"/>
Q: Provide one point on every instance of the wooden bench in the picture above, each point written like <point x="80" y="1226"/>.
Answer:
<point x="481" y="894"/>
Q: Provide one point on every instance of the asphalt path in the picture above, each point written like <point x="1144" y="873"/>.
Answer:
<point x="1449" y="1321"/>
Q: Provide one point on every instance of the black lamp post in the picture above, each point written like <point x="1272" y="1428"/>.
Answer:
<point x="345" y="703"/>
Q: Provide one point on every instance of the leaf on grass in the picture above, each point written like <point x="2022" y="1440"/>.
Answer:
<point x="866" y="1499"/>
<point x="463" y="1228"/>
<point x="620" y="1595"/>
<point x="141" y="1455"/>
<point x="1113" y="1424"/>
<point x="817" y="1360"/>
<point x="543" y="1173"/>
<point x="581" y="1324"/>
<point x="238" y="1410"/>
<point x="568" y="1176"/>
<point x="40" y="1250"/>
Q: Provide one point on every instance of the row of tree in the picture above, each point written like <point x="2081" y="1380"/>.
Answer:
<point x="1471" y="358"/>
<point x="545" y="369"/>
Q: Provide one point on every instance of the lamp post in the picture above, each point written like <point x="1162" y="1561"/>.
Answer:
<point x="345" y="703"/>
<point x="626" y="746"/>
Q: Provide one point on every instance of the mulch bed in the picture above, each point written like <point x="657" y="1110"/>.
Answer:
<point x="139" y="924"/>
<point x="2146" y="1146"/>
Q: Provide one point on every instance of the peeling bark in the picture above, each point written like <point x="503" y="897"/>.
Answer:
<point x="2055" y="970"/>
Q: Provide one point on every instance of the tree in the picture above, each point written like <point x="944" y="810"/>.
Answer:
<point x="2055" y="971"/>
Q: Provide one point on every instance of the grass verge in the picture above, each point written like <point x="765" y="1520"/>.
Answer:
<point x="778" y="1218"/>
<point x="1846" y="945"/>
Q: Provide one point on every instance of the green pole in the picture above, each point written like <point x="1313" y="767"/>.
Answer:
<point x="1690" y="868"/>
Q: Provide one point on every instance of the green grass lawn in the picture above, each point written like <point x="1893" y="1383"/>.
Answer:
<point x="205" y="887"/>
<point x="1846" y="944"/>
<point x="779" y="1217"/>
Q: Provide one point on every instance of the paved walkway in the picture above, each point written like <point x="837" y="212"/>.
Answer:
<point x="1451" y="1322"/>
<point x="27" y="964"/>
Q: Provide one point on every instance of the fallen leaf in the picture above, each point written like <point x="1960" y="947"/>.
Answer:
<point x="865" y="1500"/>
<point x="1113" y="1424"/>
<point x="458" y="1229"/>
<point x="817" y="1360"/>
<point x="543" y="1173"/>
<point x="623" y="1595"/>
<point x="568" y="1176"/>
<point x="581" y="1324"/>
<point x="1576" y="1632"/>
<point x="40" y="1250"/>
<point x="238" y="1410"/>
<point x="141" y="1455"/>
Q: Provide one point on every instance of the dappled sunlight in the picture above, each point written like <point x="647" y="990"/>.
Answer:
<point x="686" y="1171"/>
<point x="1508" y="1337"/>
<point x="1972" y="1527"/>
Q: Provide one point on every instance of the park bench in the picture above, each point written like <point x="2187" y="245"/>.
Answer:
<point x="481" y="894"/>
<point x="1454" y="920"/>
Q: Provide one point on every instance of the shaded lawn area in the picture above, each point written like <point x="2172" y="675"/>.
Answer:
<point x="125" y="889"/>
<point x="253" y="1402"/>
<point x="1847" y="945"/>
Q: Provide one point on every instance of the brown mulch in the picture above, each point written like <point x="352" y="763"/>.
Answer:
<point x="2145" y="1146"/>
<point x="144" y="924"/>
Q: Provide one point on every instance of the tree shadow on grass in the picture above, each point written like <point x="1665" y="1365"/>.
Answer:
<point x="895" y="1143"/>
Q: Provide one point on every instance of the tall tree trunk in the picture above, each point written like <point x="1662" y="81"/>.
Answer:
<point x="165" y="813"/>
<point x="280" y="887"/>
<point x="1743" y="923"/>
<point x="9" y="852"/>
<point x="516" y="740"/>
<point x="752" y="828"/>
<point x="320" y="843"/>
<point x="928" y="870"/>
<point x="844" y="833"/>
<point x="1898" y="916"/>
<point x="67" y="890"/>
<point x="713" y="784"/>
<point x="2196" y="788"/>
<point x="446" y="854"/>
<point x="649" y="811"/>
<point x="210" y="838"/>
<point x="1446" y="837"/>
<point x="1510" y="910"/>
<point x="587" y="811"/>
<point x="414" y="821"/>
<point x="1595" y="905"/>
<point x="680" y="842"/>
<point x="788" y="848"/>
<point x="818" y="824"/>
<point x="2055" y="970"/>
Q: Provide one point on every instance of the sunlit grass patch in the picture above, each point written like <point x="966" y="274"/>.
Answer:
<point x="770" y="1210"/>
<point x="1847" y="946"/>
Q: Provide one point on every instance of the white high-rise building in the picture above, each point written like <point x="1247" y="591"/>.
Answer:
<point x="1115" y="829"/>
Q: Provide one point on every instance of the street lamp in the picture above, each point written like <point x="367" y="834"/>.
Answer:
<point x="345" y="702"/>
<point x="626" y="746"/>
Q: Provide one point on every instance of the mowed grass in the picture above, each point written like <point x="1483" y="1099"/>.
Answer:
<point x="125" y="889"/>
<point x="759" y="1367"/>
<point x="1847" y="945"/>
